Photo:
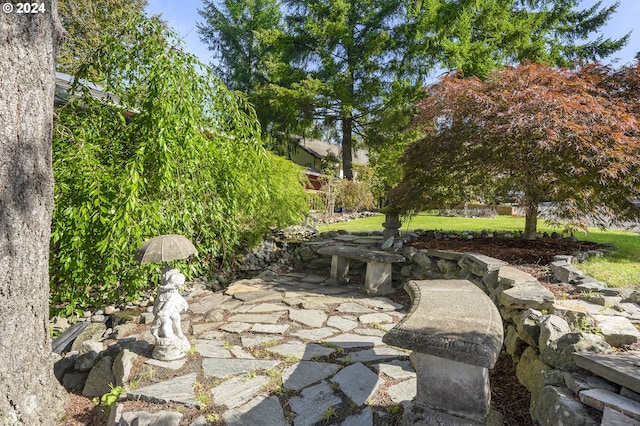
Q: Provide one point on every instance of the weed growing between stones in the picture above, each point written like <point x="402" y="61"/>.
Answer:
<point x="329" y="413"/>
<point x="108" y="400"/>
<point x="584" y="324"/>
<point x="202" y="395"/>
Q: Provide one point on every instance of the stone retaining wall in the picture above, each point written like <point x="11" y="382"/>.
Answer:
<point x="538" y="334"/>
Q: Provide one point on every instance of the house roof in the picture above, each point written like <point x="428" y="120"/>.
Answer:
<point x="321" y="149"/>
<point x="64" y="82"/>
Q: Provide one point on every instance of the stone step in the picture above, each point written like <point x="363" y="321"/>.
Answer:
<point x="623" y="368"/>
<point x="611" y="417"/>
<point x="600" y="398"/>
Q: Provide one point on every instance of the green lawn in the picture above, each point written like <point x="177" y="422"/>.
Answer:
<point x="619" y="269"/>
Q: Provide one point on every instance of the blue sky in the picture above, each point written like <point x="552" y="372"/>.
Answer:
<point x="182" y="17"/>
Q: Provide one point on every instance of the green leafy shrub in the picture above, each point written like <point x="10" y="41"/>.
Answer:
<point x="170" y="150"/>
<point x="353" y="195"/>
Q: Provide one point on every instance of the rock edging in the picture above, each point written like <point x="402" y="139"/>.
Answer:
<point x="538" y="335"/>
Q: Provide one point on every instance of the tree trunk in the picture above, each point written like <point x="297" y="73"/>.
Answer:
<point x="531" y="221"/>
<point x="347" y="148"/>
<point x="29" y="392"/>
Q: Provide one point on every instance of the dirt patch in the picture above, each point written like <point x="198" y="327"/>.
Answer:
<point x="516" y="251"/>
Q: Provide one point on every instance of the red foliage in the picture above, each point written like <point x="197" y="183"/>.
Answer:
<point x="546" y="134"/>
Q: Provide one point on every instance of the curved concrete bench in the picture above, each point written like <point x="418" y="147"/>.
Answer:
<point x="455" y="333"/>
<point x="378" y="275"/>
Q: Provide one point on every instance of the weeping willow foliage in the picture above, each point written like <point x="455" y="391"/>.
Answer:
<point x="169" y="150"/>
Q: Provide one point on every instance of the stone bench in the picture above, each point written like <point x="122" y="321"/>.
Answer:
<point x="378" y="274"/>
<point x="455" y="333"/>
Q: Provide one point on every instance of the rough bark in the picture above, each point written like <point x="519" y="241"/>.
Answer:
<point x="29" y="393"/>
<point x="347" y="148"/>
<point x="531" y="221"/>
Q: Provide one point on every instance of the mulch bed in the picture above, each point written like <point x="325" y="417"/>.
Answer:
<point x="508" y="396"/>
<point x="516" y="251"/>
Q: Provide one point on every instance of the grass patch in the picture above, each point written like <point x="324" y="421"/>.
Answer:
<point x="621" y="268"/>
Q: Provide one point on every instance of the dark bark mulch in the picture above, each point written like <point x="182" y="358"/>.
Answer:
<point x="516" y="251"/>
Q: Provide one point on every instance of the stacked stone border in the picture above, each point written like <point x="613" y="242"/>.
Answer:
<point x="541" y="335"/>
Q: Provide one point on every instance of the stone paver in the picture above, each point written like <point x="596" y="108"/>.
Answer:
<point x="212" y="349"/>
<point x="214" y="367"/>
<point x="403" y="391"/>
<point x="258" y="296"/>
<point x="374" y="354"/>
<point x="250" y="342"/>
<point x="207" y="303"/>
<point x="363" y="418"/>
<point x="310" y="318"/>
<point x="356" y="308"/>
<point x="396" y="369"/>
<point x="381" y="303"/>
<point x="316" y="334"/>
<point x="259" y="411"/>
<point x="299" y="350"/>
<point x="143" y="418"/>
<point x="371" y="331"/>
<point x="312" y="402"/>
<point x="349" y="340"/>
<point x="286" y="325"/>
<point x="176" y="364"/>
<point x="236" y="327"/>
<point x="375" y="318"/>
<point x="305" y="373"/>
<point x="267" y="307"/>
<point x="341" y="323"/>
<point x="270" y="328"/>
<point x="271" y="318"/>
<point x="240" y="353"/>
<point x="179" y="390"/>
<point x="198" y="329"/>
<point x="315" y="279"/>
<point x="238" y="390"/>
<point x="357" y="382"/>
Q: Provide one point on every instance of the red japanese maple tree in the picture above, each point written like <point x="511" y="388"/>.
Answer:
<point x="538" y="133"/>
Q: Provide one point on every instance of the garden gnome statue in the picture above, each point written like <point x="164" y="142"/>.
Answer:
<point x="171" y="343"/>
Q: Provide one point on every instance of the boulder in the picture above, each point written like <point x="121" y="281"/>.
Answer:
<point x="559" y="406"/>
<point x="88" y="355"/>
<point x="512" y="342"/>
<point x="565" y="272"/>
<point x="617" y="331"/>
<point x="529" y="295"/>
<point x="422" y="259"/>
<point x="99" y="379"/>
<point x="122" y="365"/>
<point x="552" y="328"/>
<point x="509" y="277"/>
<point x="478" y="264"/>
<point x="529" y="372"/>
<point x="560" y="354"/>
<point x="92" y="332"/>
<point x="74" y="381"/>
<point x="528" y="326"/>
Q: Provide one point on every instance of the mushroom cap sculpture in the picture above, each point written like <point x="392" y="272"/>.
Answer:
<point x="165" y="248"/>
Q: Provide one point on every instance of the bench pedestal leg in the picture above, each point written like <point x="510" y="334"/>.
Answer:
<point x="450" y="391"/>
<point x="339" y="269"/>
<point x="378" y="279"/>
